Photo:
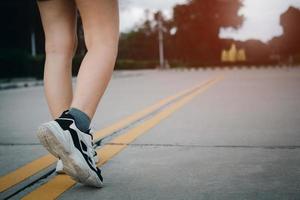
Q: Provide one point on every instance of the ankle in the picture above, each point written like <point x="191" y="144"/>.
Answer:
<point x="82" y="120"/>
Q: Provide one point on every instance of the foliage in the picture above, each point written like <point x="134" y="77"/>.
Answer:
<point x="196" y="39"/>
<point x="288" y="44"/>
<point x="191" y="39"/>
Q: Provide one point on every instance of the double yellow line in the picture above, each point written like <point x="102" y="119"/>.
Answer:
<point x="60" y="183"/>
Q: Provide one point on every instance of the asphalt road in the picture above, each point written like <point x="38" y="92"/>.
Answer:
<point x="239" y="139"/>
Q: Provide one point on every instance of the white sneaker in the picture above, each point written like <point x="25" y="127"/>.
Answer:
<point x="64" y="140"/>
<point x="59" y="165"/>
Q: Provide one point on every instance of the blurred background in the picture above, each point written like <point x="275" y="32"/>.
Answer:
<point x="166" y="34"/>
<point x="237" y="138"/>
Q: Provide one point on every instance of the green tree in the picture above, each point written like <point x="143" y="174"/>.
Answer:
<point x="198" y="23"/>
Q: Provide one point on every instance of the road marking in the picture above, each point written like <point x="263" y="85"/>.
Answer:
<point x="61" y="183"/>
<point x="26" y="171"/>
<point x="15" y="177"/>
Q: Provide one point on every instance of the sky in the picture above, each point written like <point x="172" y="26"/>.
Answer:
<point x="261" y="16"/>
<point x="132" y="12"/>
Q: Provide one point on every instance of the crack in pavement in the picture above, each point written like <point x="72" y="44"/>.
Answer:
<point x="213" y="146"/>
<point x="181" y="145"/>
<point x="18" y="144"/>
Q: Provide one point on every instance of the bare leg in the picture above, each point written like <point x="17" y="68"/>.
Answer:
<point x="100" y="20"/>
<point x="59" y="23"/>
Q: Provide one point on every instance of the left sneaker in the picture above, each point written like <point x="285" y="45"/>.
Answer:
<point x="62" y="138"/>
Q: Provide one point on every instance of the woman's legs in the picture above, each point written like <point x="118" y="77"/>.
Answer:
<point x="59" y="23"/>
<point x="101" y="28"/>
<point x="101" y="31"/>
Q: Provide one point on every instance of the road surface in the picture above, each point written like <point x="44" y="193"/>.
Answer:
<point x="235" y="136"/>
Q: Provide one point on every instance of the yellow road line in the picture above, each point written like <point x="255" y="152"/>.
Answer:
<point x="25" y="171"/>
<point x="123" y="122"/>
<point x="43" y="162"/>
<point x="61" y="183"/>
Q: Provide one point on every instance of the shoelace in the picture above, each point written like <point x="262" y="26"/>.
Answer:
<point x="92" y="131"/>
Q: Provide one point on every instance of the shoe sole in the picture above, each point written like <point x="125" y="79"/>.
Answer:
<point x="54" y="139"/>
<point x="59" y="166"/>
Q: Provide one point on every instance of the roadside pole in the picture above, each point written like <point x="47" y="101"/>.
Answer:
<point x="160" y="30"/>
<point x="161" y="44"/>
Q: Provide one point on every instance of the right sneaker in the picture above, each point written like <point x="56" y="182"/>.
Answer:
<point x="59" y="169"/>
<point x="64" y="140"/>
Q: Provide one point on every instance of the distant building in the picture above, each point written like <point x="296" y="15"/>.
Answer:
<point x="224" y="56"/>
<point x="233" y="54"/>
<point x="241" y="55"/>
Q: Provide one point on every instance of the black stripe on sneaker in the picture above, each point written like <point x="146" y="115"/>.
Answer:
<point x="65" y="125"/>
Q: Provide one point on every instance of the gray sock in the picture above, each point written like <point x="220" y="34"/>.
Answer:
<point x="82" y="120"/>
